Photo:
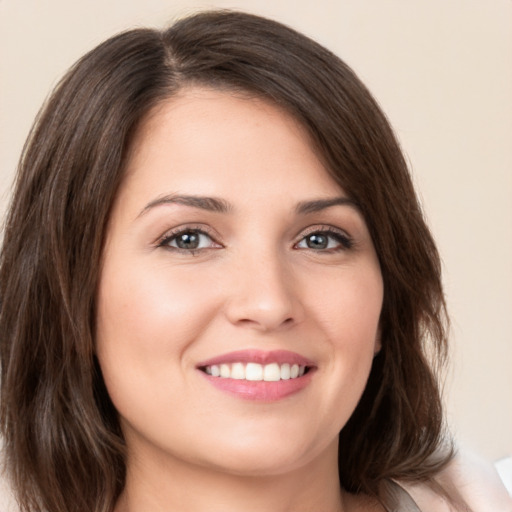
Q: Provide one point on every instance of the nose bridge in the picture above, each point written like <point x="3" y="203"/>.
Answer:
<point x="264" y="294"/>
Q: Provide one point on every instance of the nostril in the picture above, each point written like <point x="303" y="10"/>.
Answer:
<point x="263" y="311"/>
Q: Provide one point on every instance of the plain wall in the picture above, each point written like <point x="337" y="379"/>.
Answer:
<point x="442" y="71"/>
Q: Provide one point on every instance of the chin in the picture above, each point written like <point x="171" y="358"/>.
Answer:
<point x="266" y="455"/>
<point x="259" y="463"/>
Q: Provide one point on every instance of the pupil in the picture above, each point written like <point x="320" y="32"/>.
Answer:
<point x="317" y="242"/>
<point x="188" y="241"/>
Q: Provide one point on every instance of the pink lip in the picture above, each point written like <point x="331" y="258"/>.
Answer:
<point x="258" y="356"/>
<point x="260" y="390"/>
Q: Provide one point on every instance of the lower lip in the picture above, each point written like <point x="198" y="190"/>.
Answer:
<point x="262" y="391"/>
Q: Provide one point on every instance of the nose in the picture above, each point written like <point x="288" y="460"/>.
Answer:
<point x="264" y="295"/>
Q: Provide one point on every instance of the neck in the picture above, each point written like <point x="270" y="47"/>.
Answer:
<point x="172" y="485"/>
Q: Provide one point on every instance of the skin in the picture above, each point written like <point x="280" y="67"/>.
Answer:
<point x="255" y="282"/>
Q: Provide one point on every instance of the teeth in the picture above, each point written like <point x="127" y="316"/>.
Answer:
<point x="285" y="371"/>
<point x="238" y="371"/>
<point x="253" y="371"/>
<point x="272" y="372"/>
<point x="225" y="371"/>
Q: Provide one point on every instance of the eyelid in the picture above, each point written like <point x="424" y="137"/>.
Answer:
<point x="183" y="228"/>
<point x="322" y="227"/>
<point x="347" y="243"/>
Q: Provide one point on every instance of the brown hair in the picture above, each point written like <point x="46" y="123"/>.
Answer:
<point x="63" y="444"/>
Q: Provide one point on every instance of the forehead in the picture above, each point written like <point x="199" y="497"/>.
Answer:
<point x="207" y="137"/>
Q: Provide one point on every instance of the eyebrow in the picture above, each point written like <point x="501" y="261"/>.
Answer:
<point x="211" y="204"/>
<point x="317" y="205"/>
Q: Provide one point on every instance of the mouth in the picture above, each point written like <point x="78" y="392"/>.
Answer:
<point x="258" y="375"/>
<point x="255" y="372"/>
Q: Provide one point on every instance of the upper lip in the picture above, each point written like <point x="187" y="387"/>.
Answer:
<point x="258" y="356"/>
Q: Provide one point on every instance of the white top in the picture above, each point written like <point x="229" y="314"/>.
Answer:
<point x="476" y="481"/>
<point x="469" y="478"/>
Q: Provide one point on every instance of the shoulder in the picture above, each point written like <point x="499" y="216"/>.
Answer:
<point x="472" y="484"/>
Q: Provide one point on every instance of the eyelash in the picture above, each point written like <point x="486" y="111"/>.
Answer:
<point x="344" y="241"/>
<point x="171" y="236"/>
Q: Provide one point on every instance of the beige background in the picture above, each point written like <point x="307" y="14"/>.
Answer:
<point x="441" y="69"/>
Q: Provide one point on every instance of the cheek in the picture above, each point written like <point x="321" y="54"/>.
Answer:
<point x="349" y="312"/>
<point x="349" y="306"/>
<point x="150" y="307"/>
<point x="146" y="320"/>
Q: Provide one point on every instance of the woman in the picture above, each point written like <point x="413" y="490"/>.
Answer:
<point x="218" y="290"/>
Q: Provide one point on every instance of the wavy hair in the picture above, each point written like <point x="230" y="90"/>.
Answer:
<point x="63" y="445"/>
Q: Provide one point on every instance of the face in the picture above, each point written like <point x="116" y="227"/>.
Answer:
<point x="240" y="293"/>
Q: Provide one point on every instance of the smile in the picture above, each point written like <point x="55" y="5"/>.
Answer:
<point x="272" y="372"/>
<point x="259" y="375"/>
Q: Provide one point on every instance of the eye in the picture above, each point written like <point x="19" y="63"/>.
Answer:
<point x="325" y="240"/>
<point x="188" y="240"/>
